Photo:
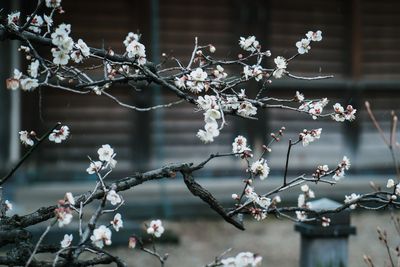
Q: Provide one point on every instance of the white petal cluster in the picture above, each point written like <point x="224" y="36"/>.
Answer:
<point x="64" y="216"/>
<point x="249" y="44"/>
<point x="29" y="84"/>
<point x="33" y="68"/>
<point x="260" y="168"/>
<point x="155" y="228"/>
<point x="253" y="71"/>
<point x="281" y="65"/>
<point x="94" y="167"/>
<point x="13" y="18"/>
<point x="130" y="38"/>
<point x="299" y="97"/>
<point x="390" y="183"/>
<point x="351" y="198"/>
<point x="82" y="51"/>
<point x="36" y="24"/>
<point x="308" y="137"/>
<point x="243" y="259"/>
<point x="219" y="73"/>
<point x="101" y="236"/>
<point x="247" y="109"/>
<point x="303" y="46"/>
<point x="113" y="197"/>
<point x="60" y="38"/>
<point x="9" y="205"/>
<point x="53" y="3"/>
<point x="13" y="83"/>
<point x="342" y="166"/>
<point x="239" y="145"/>
<point x="106" y="159"/>
<point x="117" y="222"/>
<point x="342" y="114"/>
<point x="66" y="242"/>
<point x="57" y="136"/>
<point x="137" y="50"/>
<point x="212" y="113"/>
<point x="196" y="81"/>
<point x="26" y="138"/>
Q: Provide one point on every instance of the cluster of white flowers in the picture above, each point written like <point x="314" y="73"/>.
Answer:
<point x="155" y="228"/>
<point x="57" y="136"/>
<point x="219" y="73"/>
<point x="36" y="23"/>
<point x="260" y="167"/>
<point x="342" y="166"/>
<point x="246" y="109"/>
<point x="281" y="65"/>
<point x="26" y="83"/>
<point x="351" y="198"/>
<point x="212" y="113"/>
<point x="106" y="159"/>
<point x="249" y="44"/>
<point x="303" y="46"/>
<point x="101" y="236"/>
<point x="308" y="137"/>
<point x="239" y="145"/>
<point x="135" y="49"/>
<point x="341" y="114"/>
<point x="66" y="242"/>
<point x="82" y="50"/>
<point x="253" y="71"/>
<point x="243" y="259"/>
<point x="314" y="108"/>
<point x="60" y="38"/>
<point x="302" y="201"/>
<point x="196" y="81"/>
<point x="321" y="171"/>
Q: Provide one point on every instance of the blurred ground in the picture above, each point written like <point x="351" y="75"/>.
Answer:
<point x="275" y="240"/>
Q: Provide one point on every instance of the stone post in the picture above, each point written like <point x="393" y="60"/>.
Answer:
<point x="325" y="246"/>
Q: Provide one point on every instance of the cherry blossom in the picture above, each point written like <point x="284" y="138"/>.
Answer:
<point x="60" y="57"/>
<point x="69" y="198"/>
<point x="64" y="216"/>
<point x="66" y="242"/>
<point x="196" y="80"/>
<point x="9" y="205"/>
<point x="351" y="198"/>
<point x="155" y="228"/>
<point x="137" y="50"/>
<point x="82" y="46"/>
<point x="29" y="84"/>
<point x="260" y="168"/>
<point x="212" y="49"/>
<point x="390" y="183"/>
<point x="281" y="65"/>
<point x="94" y="167"/>
<point x="14" y="82"/>
<point x="325" y="221"/>
<point x="113" y="197"/>
<point x="342" y="166"/>
<point x="53" y="3"/>
<point x="303" y="46"/>
<point x="25" y="138"/>
<point x="249" y="44"/>
<point x="35" y="24"/>
<point x="247" y="109"/>
<point x="106" y="153"/>
<point x="132" y="242"/>
<point x="299" y="97"/>
<point x="101" y="236"/>
<point x="247" y="72"/>
<point x="130" y="38"/>
<point x="13" y="18"/>
<point x="33" y="68"/>
<point x="57" y="136"/>
<point x="117" y="222"/>
<point x="239" y="145"/>
<point x="314" y="36"/>
<point x="308" y="137"/>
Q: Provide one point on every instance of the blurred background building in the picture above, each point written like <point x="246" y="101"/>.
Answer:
<point x="360" y="47"/>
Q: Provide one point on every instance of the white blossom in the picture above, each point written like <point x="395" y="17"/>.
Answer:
<point x="66" y="242"/>
<point x="299" y="96"/>
<point x="117" y="222"/>
<point x="60" y="35"/>
<point x="248" y="73"/>
<point x="64" y="216"/>
<point x="304" y="188"/>
<point x="257" y="73"/>
<point x="390" y="183"/>
<point x="35" y="24"/>
<point x="211" y="115"/>
<point x="180" y="82"/>
<point x="301" y="200"/>
<point x="314" y="36"/>
<point x="101" y="236"/>
<point x="14" y="82"/>
<point x="260" y="168"/>
<point x="351" y="198"/>
<point x="308" y="137"/>
<point x="53" y="3"/>
<point x="239" y="145"/>
<point x="82" y="46"/>
<point x="247" y="109"/>
<point x="264" y="202"/>
<point x="60" y="57"/>
<point x="249" y="44"/>
<point x="13" y="18"/>
<point x="132" y="242"/>
<point x="207" y="102"/>
<point x="231" y="102"/>
<point x="301" y="215"/>
<point x="69" y="198"/>
<point x="155" y="228"/>
<point x="33" y="68"/>
<point x="25" y="138"/>
<point x="76" y="56"/>
<point x="57" y="136"/>
<point x="106" y="153"/>
<point x="196" y="80"/>
<point x="303" y="46"/>
<point x="29" y="84"/>
<point x="113" y="197"/>
<point x="130" y="38"/>
<point x="137" y="50"/>
<point x="94" y="167"/>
